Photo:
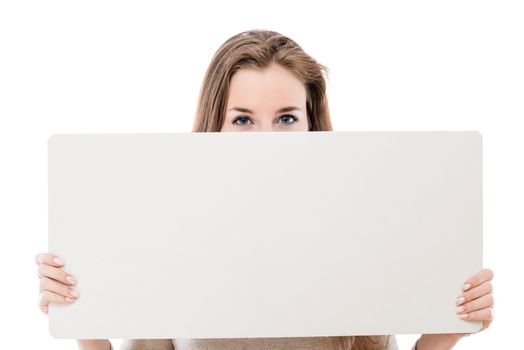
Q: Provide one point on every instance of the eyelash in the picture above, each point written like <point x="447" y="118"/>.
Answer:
<point x="285" y="115"/>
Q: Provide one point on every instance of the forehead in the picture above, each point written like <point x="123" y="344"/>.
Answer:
<point x="271" y="86"/>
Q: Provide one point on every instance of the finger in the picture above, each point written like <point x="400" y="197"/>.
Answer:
<point x="482" y="276"/>
<point x="57" y="287"/>
<point x="474" y="293"/>
<point x="485" y="325"/>
<point x="483" y="302"/>
<point x="479" y="315"/>
<point x="47" y="297"/>
<point x="49" y="259"/>
<point x="56" y="273"/>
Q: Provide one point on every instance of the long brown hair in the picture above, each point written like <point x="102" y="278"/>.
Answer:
<point x="257" y="49"/>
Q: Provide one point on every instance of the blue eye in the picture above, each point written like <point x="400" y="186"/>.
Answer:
<point x="286" y="119"/>
<point x="289" y="119"/>
<point x="243" y="120"/>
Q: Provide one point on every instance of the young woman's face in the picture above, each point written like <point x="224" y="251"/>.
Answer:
<point x="272" y="99"/>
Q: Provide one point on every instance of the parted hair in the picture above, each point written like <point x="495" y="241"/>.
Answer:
<point x="257" y="49"/>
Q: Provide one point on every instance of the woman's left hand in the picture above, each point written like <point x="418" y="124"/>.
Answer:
<point x="476" y="301"/>
<point x="474" y="304"/>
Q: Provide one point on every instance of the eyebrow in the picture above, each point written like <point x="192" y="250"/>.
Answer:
<point x="281" y="110"/>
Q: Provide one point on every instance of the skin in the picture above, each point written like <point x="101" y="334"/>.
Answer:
<point x="259" y="95"/>
<point x="255" y="102"/>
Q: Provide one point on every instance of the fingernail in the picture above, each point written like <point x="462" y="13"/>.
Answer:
<point x="71" y="279"/>
<point x="460" y="300"/>
<point x="466" y="287"/>
<point x="460" y="309"/>
<point x="58" y="261"/>
<point x="73" y="292"/>
<point x="69" y="300"/>
<point x="463" y="315"/>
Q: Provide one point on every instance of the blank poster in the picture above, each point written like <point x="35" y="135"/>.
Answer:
<point x="265" y="234"/>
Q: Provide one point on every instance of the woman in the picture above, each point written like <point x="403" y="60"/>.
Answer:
<point x="264" y="81"/>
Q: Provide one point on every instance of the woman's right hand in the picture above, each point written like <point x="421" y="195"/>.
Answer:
<point x="56" y="285"/>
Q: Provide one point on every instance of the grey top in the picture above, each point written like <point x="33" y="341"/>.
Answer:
<point x="292" y="343"/>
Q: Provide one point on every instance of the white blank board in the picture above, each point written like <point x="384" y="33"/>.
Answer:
<point x="265" y="234"/>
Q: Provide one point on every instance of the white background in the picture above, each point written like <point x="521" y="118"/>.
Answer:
<point x="107" y="66"/>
